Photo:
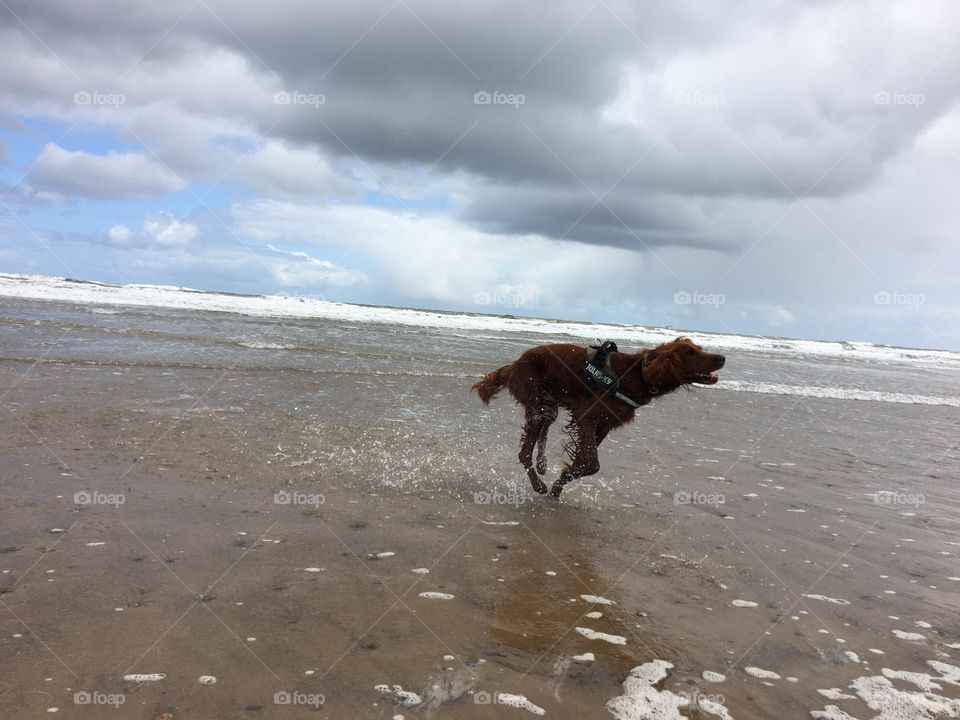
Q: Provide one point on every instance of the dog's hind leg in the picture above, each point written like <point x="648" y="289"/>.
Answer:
<point x="548" y="414"/>
<point x="583" y="454"/>
<point x="531" y="431"/>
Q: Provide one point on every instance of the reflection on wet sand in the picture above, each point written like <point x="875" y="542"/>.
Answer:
<point x="535" y="618"/>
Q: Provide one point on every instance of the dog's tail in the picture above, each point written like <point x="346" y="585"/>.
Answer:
<point x="492" y="383"/>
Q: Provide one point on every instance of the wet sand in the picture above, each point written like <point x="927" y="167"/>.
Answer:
<point x="263" y="526"/>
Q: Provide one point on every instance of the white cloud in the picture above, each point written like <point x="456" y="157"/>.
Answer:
<point x="168" y="231"/>
<point x="111" y="176"/>
<point x="309" y="271"/>
<point x="777" y="316"/>
<point x="161" y="230"/>
<point x="437" y="259"/>
<point x="119" y="235"/>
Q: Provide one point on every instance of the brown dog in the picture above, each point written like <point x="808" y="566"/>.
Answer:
<point x="548" y="377"/>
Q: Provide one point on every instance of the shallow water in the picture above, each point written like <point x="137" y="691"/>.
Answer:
<point x="834" y="520"/>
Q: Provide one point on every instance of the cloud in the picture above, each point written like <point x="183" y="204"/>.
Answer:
<point x="788" y="155"/>
<point x="111" y="176"/>
<point x="309" y="271"/>
<point x="161" y="230"/>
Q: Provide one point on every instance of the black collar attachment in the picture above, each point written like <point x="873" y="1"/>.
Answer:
<point x="598" y="371"/>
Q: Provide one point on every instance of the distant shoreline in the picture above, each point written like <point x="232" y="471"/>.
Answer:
<point x="43" y="287"/>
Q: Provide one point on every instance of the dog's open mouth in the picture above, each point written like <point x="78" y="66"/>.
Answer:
<point x="705" y="378"/>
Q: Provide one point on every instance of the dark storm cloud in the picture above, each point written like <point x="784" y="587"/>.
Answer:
<point x="398" y="81"/>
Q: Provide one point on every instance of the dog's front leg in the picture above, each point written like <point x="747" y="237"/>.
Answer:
<point x="583" y="455"/>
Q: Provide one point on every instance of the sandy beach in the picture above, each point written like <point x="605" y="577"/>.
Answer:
<point x="207" y="527"/>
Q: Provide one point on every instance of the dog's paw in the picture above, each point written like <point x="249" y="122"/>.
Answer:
<point x="542" y="466"/>
<point x="537" y="483"/>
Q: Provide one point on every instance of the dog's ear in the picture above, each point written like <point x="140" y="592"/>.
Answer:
<point x="662" y="370"/>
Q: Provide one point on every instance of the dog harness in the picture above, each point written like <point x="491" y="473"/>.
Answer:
<point x="598" y="371"/>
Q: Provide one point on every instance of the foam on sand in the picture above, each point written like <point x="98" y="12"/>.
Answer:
<point x="406" y="698"/>
<point x="430" y="595"/>
<point x="880" y="694"/>
<point x="824" y="598"/>
<point x="594" y="635"/>
<point x="761" y="673"/>
<point x="144" y="677"/>
<point x="597" y="600"/>
<point x="743" y="603"/>
<point x="519" y="701"/>
<point x="642" y="701"/>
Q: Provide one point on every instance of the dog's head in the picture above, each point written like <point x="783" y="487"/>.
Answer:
<point x="681" y="362"/>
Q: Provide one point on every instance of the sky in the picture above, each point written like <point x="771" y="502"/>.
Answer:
<point x="774" y="168"/>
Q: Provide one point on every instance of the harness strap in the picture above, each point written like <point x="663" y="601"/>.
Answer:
<point x="602" y="374"/>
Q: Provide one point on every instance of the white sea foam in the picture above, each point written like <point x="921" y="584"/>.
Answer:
<point x="597" y="600"/>
<point x="43" y="287"/>
<point x="594" y="635"/>
<point x="429" y="595"/>
<point x="824" y="598"/>
<point x="743" y="603"/>
<point x="144" y="677"/>
<point x="519" y="701"/>
<point x="406" y="698"/>
<point x="761" y="673"/>
<point x="880" y="694"/>
<point x="642" y="701"/>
